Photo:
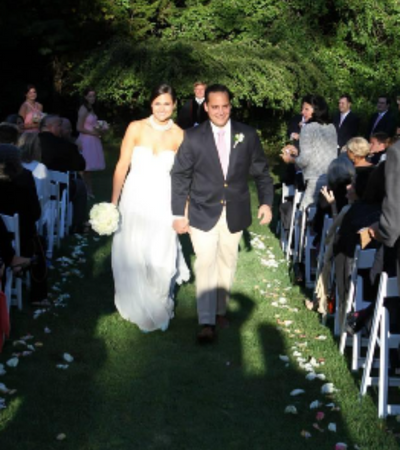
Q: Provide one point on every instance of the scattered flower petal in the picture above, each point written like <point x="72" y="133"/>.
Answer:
<point x="61" y="437"/>
<point x="284" y="358"/>
<point x="317" y="427"/>
<point x="328" y="388"/>
<point x="13" y="362"/>
<point x="62" y="366"/>
<point x="67" y="357"/>
<point x="320" y="416"/>
<point x="315" y="404"/>
<point x="291" y="409"/>
<point x="305" y="434"/>
<point x="321" y="337"/>
<point x="297" y="392"/>
<point x="332" y="427"/>
<point x="340" y="446"/>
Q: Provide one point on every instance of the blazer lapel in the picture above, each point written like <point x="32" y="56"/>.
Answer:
<point x="233" y="150"/>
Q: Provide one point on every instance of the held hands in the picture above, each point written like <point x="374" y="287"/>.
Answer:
<point x="181" y="226"/>
<point x="265" y="214"/>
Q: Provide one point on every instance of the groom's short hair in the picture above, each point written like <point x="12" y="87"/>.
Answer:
<point x="217" y="88"/>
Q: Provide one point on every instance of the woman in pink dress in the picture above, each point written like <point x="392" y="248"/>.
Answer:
<point x="90" y="131"/>
<point x="31" y="110"/>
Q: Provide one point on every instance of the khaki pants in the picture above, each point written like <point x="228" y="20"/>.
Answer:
<point x="216" y="257"/>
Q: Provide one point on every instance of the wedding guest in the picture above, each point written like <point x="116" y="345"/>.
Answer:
<point x="333" y="197"/>
<point x="17" y="120"/>
<point x="31" y="155"/>
<point x="345" y="121"/>
<point x="31" y="110"/>
<point x="8" y="133"/>
<point x="90" y="132"/>
<point x="357" y="150"/>
<point x="383" y="120"/>
<point x="193" y="112"/>
<point x="18" y="196"/>
<point x="379" y="142"/>
<point x="63" y="156"/>
<point x="318" y="147"/>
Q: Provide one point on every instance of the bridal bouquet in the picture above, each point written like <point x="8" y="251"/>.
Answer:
<point x="104" y="218"/>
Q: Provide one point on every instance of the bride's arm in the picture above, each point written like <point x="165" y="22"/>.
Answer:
<point x="124" y="161"/>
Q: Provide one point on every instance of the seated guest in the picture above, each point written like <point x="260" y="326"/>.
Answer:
<point x="333" y="197"/>
<point x="17" y="120"/>
<point x="357" y="150"/>
<point x="29" y="146"/>
<point x="379" y="142"/>
<point x="366" y="195"/>
<point x="18" y="195"/>
<point x="61" y="155"/>
<point x="8" y="133"/>
<point x="345" y="121"/>
<point x="383" y="120"/>
<point x="318" y="148"/>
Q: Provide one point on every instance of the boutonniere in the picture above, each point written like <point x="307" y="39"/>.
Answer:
<point x="238" y="139"/>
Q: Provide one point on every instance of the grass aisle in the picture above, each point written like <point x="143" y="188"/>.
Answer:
<point x="127" y="390"/>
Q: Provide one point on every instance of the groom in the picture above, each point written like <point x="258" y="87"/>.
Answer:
<point x="211" y="172"/>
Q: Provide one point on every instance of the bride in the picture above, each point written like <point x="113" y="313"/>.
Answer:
<point x="147" y="258"/>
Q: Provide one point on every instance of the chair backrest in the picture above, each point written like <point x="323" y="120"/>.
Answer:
<point x="12" y="225"/>
<point x="59" y="177"/>
<point x="287" y="191"/>
<point x="392" y="287"/>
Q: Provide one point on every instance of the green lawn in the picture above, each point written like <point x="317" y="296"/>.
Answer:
<point x="128" y="390"/>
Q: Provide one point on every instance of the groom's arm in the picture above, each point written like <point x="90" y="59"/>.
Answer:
<point x="181" y="177"/>
<point x="259" y="169"/>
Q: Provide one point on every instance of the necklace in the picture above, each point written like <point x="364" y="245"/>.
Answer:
<point x="158" y="127"/>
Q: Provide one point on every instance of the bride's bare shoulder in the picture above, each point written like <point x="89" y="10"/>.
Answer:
<point x="136" y="126"/>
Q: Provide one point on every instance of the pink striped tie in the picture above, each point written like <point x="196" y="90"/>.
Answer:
<point x="222" y="151"/>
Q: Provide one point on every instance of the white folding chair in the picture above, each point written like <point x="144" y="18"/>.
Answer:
<point x="294" y="224"/>
<point x="363" y="259"/>
<point x="308" y="246"/>
<point x="15" y="291"/>
<point x="287" y="191"/>
<point x="53" y="222"/>
<point x="65" y="206"/>
<point x="388" y="287"/>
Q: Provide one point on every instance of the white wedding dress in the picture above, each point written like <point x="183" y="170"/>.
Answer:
<point x="147" y="258"/>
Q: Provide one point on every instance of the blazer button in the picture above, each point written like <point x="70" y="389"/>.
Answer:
<point x="222" y="202"/>
<point x="225" y="185"/>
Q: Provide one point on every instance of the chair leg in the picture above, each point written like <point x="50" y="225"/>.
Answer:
<point x="384" y="365"/>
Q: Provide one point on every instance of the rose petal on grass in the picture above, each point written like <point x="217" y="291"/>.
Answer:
<point x="315" y="404"/>
<point x="284" y="358"/>
<point x="61" y="437"/>
<point x="62" y="366"/>
<point x="305" y="434"/>
<point x="328" y="388"/>
<point x="4" y="389"/>
<point x="321" y="337"/>
<point x="13" y="362"/>
<point x="317" y="427"/>
<point x="291" y="409"/>
<point x="340" y="446"/>
<point x="2" y="370"/>
<point x="311" y="376"/>
<point x="297" y="392"/>
<point x="320" y="416"/>
<point x="67" y="357"/>
<point x="332" y="427"/>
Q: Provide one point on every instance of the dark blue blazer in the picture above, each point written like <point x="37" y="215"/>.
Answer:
<point x="197" y="175"/>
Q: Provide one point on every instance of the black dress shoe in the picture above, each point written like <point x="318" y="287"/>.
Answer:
<point x="206" y="335"/>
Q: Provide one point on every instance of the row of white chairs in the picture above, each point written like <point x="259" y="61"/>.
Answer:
<point x="55" y="221"/>
<point x="376" y="346"/>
